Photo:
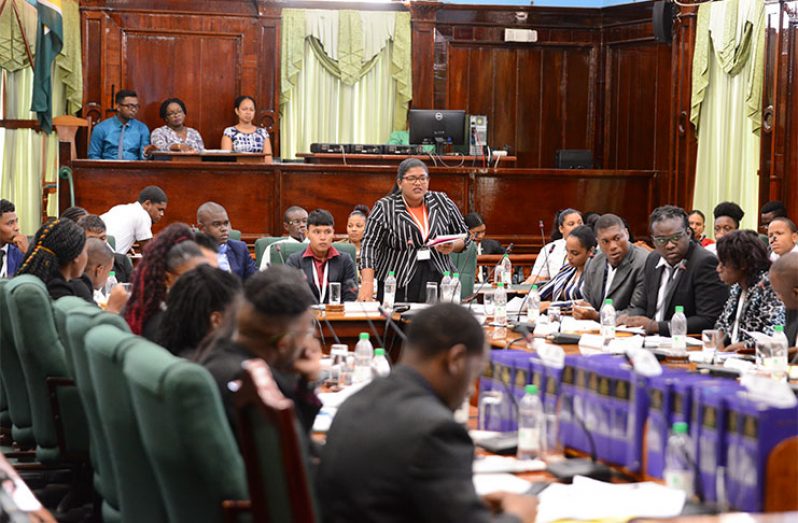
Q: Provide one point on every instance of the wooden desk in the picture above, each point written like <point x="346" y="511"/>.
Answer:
<point x="349" y="326"/>
<point x="209" y="156"/>
<point x="511" y="201"/>
<point x="450" y="160"/>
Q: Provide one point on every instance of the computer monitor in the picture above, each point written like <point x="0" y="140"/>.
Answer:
<point x="437" y="127"/>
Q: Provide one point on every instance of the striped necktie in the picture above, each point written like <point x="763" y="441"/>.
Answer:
<point x="121" y="151"/>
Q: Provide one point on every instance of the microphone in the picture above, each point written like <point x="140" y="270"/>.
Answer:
<point x="470" y="299"/>
<point x="539" y="271"/>
<point x="394" y="326"/>
<point x="371" y="325"/>
<point x="280" y="253"/>
<point x="332" y="331"/>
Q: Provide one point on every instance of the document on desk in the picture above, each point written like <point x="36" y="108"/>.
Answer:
<point x="499" y="464"/>
<point x="489" y="483"/>
<point x="599" y="500"/>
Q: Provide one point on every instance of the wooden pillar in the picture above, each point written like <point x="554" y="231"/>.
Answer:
<point x="422" y="22"/>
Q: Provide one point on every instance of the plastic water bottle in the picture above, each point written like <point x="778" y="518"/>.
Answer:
<point x="364" y="353"/>
<point x="776" y="361"/>
<point x="533" y="305"/>
<point x="457" y="288"/>
<point x="446" y="287"/>
<point x="380" y="366"/>
<point x="679" y="331"/>
<point x="608" y="320"/>
<point x="110" y="283"/>
<point x="389" y="291"/>
<point x="500" y="304"/>
<point x="679" y="461"/>
<point x="531" y="424"/>
<point x="506" y="270"/>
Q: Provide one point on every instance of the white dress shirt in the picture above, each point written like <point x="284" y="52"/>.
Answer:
<point x="266" y="260"/>
<point x="550" y="260"/>
<point x="610" y="277"/>
<point x="4" y="264"/>
<point x="667" y="276"/>
<point x="774" y="256"/>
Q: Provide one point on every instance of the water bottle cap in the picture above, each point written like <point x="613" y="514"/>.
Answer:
<point x="500" y="285"/>
<point x="608" y="301"/>
<point x="447" y="273"/>
<point x="364" y="335"/>
<point x="391" y="273"/>
<point x="534" y="287"/>
<point x="379" y="352"/>
<point x="456" y="275"/>
<point x="531" y="389"/>
<point x="680" y="427"/>
<point x="112" y="273"/>
<point x="679" y="308"/>
<point x="778" y="328"/>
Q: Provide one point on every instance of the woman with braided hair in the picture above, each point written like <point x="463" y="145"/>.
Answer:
<point x="57" y="256"/>
<point x="171" y="253"/>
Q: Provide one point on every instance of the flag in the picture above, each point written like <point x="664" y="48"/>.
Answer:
<point x="49" y="41"/>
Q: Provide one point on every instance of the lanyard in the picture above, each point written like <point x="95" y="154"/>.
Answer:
<point x="323" y="288"/>
<point x="423" y="224"/>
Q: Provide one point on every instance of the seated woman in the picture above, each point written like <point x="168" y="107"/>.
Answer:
<point x="196" y="306"/>
<point x="246" y="137"/>
<point x="568" y="284"/>
<point x="727" y="219"/>
<point x="782" y="237"/>
<point x="697" y="222"/>
<point x="57" y="256"/>
<point x="477" y="229"/>
<point x="165" y="259"/>
<point x="552" y="256"/>
<point x="174" y="136"/>
<point x="355" y="227"/>
<point x="753" y="304"/>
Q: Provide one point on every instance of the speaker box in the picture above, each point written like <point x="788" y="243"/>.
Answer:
<point x="574" y="159"/>
<point x="662" y="20"/>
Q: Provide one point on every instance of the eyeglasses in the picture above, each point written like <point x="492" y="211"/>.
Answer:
<point x="661" y="241"/>
<point x="297" y="222"/>
<point x="133" y="107"/>
<point x="416" y="179"/>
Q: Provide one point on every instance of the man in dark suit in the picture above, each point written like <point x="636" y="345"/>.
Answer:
<point x="615" y="273"/>
<point x="233" y="254"/>
<point x="322" y="263"/>
<point x="13" y="245"/>
<point x="394" y="452"/>
<point x="784" y="279"/>
<point x="677" y="272"/>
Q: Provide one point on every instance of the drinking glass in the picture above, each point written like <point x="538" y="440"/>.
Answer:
<point x="771" y="356"/>
<point x="432" y="292"/>
<point x="487" y="300"/>
<point x="491" y="410"/>
<point x="711" y="340"/>
<point x="335" y="293"/>
<point x="554" y="314"/>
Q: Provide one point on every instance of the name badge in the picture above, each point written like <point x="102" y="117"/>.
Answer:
<point x="423" y="254"/>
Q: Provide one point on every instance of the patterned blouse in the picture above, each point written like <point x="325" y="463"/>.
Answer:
<point x="566" y="285"/>
<point x="762" y="310"/>
<point x="164" y="137"/>
<point x="247" y="142"/>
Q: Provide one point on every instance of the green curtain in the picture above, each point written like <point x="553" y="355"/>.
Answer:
<point x="726" y="104"/>
<point x="341" y="79"/>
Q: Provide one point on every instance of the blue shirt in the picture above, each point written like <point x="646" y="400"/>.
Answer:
<point x="105" y="140"/>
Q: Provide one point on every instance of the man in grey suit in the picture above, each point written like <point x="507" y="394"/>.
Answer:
<point x="394" y="452"/>
<point x="784" y="279"/>
<point x="615" y="273"/>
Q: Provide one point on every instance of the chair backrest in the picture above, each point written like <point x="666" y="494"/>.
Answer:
<point x="466" y="264"/>
<point x="185" y="432"/>
<point x="235" y="234"/>
<point x="43" y="360"/>
<point x="140" y="497"/>
<point x="111" y="241"/>
<point x="289" y="248"/>
<point x="78" y="321"/>
<point x="14" y="378"/>
<point x="261" y="244"/>
<point x="61" y="308"/>
<point x="273" y="453"/>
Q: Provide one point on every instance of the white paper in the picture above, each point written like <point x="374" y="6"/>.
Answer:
<point x="335" y="399"/>
<point x="497" y="464"/>
<point x="514" y="305"/>
<point x="774" y="393"/>
<point x="599" y="500"/>
<point x="595" y="343"/>
<point x="445" y="238"/>
<point x="739" y="364"/>
<point x="361" y="307"/>
<point x="545" y="329"/>
<point x="324" y="419"/>
<point x="633" y="330"/>
<point x="644" y="362"/>
<point x="489" y="483"/>
<point x="665" y="342"/>
<point x="569" y="324"/>
<point x="478" y="436"/>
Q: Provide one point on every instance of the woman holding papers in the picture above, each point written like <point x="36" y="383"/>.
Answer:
<point x="753" y="305"/>
<point x="411" y="232"/>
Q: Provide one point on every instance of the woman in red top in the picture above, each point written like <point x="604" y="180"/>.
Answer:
<point x="697" y="221"/>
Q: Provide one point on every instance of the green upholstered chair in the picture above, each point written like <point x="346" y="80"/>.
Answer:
<point x="78" y="321"/>
<point x="287" y="249"/>
<point x="140" y="496"/>
<point x="14" y="379"/>
<point x="235" y="234"/>
<point x="59" y="422"/>
<point x="261" y="244"/>
<point x="61" y="308"/>
<point x="268" y="432"/>
<point x="111" y="241"/>
<point x="5" y="416"/>
<point x="185" y="432"/>
<point x="466" y="264"/>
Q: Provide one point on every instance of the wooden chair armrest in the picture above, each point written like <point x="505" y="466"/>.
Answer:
<point x="231" y="508"/>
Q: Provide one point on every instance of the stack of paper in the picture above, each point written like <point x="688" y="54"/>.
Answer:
<point x="489" y="483"/>
<point x="569" y="324"/>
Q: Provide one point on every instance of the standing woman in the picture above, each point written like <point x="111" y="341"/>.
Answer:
<point x="551" y="257"/>
<point x="246" y="137"/>
<point x="398" y="229"/>
<point x="174" y="136"/>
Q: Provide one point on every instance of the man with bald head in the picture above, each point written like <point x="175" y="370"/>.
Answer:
<point x="233" y="254"/>
<point x="784" y="280"/>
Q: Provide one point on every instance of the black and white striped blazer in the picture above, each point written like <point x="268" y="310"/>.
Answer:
<point x="392" y="238"/>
